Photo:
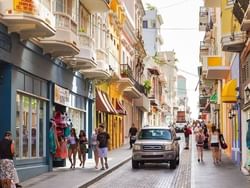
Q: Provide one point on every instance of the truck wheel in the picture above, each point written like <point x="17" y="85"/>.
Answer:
<point x="135" y="164"/>
<point x="173" y="164"/>
<point x="178" y="160"/>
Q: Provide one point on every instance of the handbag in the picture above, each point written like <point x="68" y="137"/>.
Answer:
<point x="222" y="142"/>
<point x="224" y="145"/>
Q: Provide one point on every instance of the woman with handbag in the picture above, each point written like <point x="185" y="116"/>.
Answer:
<point x="83" y="141"/>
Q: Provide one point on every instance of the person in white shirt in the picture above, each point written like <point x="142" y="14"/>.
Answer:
<point x="214" y="142"/>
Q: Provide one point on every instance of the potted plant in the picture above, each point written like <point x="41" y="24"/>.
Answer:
<point x="82" y="30"/>
<point x="147" y="86"/>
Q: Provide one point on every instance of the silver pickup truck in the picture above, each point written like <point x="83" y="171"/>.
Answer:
<point x="156" y="145"/>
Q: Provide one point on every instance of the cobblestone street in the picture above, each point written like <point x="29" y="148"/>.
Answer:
<point x="157" y="175"/>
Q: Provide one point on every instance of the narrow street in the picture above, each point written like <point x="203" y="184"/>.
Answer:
<point x="157" y="175"/>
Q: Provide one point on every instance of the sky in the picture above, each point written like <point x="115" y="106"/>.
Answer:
<point x="180" y="33"/>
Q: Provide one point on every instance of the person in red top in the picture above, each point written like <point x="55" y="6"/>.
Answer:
<point x="187" y="132"/>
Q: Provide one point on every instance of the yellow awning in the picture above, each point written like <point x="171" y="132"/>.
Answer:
<point x="229" y="92"/>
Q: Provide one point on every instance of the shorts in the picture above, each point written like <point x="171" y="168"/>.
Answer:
<point x="94" y="147"/>
<point x="103" y="152"/>
<point x="216" y="145"/>
<point x="73" y="146"/>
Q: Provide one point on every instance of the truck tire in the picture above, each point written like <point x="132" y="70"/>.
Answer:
<point x="135" y="164"/>
<point x="173" y="164"/>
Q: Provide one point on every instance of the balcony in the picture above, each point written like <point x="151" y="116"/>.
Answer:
<point x="233" y="42"/>
<point x="212" y="65"/>
<point x="204" y="48"/>
<point x="97" y="5"/>
<point x="203" y="17"/>
<point x="143" y="103"/>
<point x="101" y="72"/>
<point x="86" y="59"/>
<point x="32" y="19"/>
<point x="64" y="42"/>
<point x="212" y="3"/>
<point x="241" y="11"/>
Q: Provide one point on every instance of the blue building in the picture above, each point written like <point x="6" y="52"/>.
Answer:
<point x="33" y="87"/>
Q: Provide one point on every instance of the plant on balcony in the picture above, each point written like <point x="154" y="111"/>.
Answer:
<point x="147" y="86"/>
<point x="82" y="30"/>
<point x="124" y="72"/>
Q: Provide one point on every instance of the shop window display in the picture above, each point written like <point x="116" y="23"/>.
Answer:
<point x="30" y="127"/>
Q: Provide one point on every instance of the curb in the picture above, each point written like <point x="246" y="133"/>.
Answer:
<point x="94" y="180"/>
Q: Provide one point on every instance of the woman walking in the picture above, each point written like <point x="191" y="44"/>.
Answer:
<point x="214" y="141"/>
<point x="200" y="137"/>
<point x="8" y="174"/>
<point x="83" y="141"/>
<point x="94" y="147"/>
<point x="72" y="141"/>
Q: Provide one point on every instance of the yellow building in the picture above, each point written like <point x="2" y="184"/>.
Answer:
<point x="220" y="51"/>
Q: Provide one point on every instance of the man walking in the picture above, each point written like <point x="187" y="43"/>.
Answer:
<point x="132" y="135"/>
<point x="102" y="143"/>
<point x="187" y="132"/>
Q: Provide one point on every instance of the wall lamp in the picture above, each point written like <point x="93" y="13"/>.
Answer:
<point x="247" y="92"/>
<point x="230" y="116"/>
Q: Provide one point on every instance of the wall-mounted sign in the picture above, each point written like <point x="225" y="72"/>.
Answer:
<point x="61" y="95"/>
<point x="27" y="6"/>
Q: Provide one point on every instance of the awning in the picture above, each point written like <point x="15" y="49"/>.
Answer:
<point x="103" y="104"/>
<point x="154" y="70"/>
<point x="120" y="108"/>
<point x="214" y="98"/>
<point x="229" y="92"/>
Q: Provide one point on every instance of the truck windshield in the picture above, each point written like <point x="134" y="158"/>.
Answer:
<point x="158" y="134"/>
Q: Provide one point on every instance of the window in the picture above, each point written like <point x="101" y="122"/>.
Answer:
<point x="145" y="24"/>
<point x="77" y="118"/>
<point x="230" y="2"/>
<point x="30" y="127"/>
<point x="153" y="24"/>
<point x="159" y="134"/>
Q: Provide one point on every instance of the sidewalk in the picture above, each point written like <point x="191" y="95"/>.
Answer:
<point x="79" y="177"/>
<point x="224" y="175"/>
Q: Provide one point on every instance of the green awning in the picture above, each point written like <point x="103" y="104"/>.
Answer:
<point x="213" y="98"/>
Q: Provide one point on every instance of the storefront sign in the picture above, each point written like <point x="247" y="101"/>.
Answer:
<point x="61" y="95"/>
<point x="27" y="6"/>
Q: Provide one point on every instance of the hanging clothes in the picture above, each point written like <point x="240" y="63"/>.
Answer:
<point x="52" y="141"/>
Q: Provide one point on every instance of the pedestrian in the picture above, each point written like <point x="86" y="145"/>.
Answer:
<point x="8" y="173"/>
<point x="72" y="141"/>
<point x="94" y="148"/>
<point x="132" y="135"/>
<point x="82" y="151"/>
<point x="214" y="142"/>
<point x="200" y="137"/>
<point x="187" y="133"/>
<point x="102" y="142"/>
<point x="206" y="134"/>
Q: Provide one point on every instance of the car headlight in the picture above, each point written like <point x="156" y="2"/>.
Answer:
<point x="168" y="147"/>
<point x="137" y="147"/>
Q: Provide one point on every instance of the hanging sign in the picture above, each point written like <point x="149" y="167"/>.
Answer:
<point x="61" y="95"/>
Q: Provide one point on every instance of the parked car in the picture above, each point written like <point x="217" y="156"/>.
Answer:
<point x="179" y="127"/>
<point x="156" y="145"/>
